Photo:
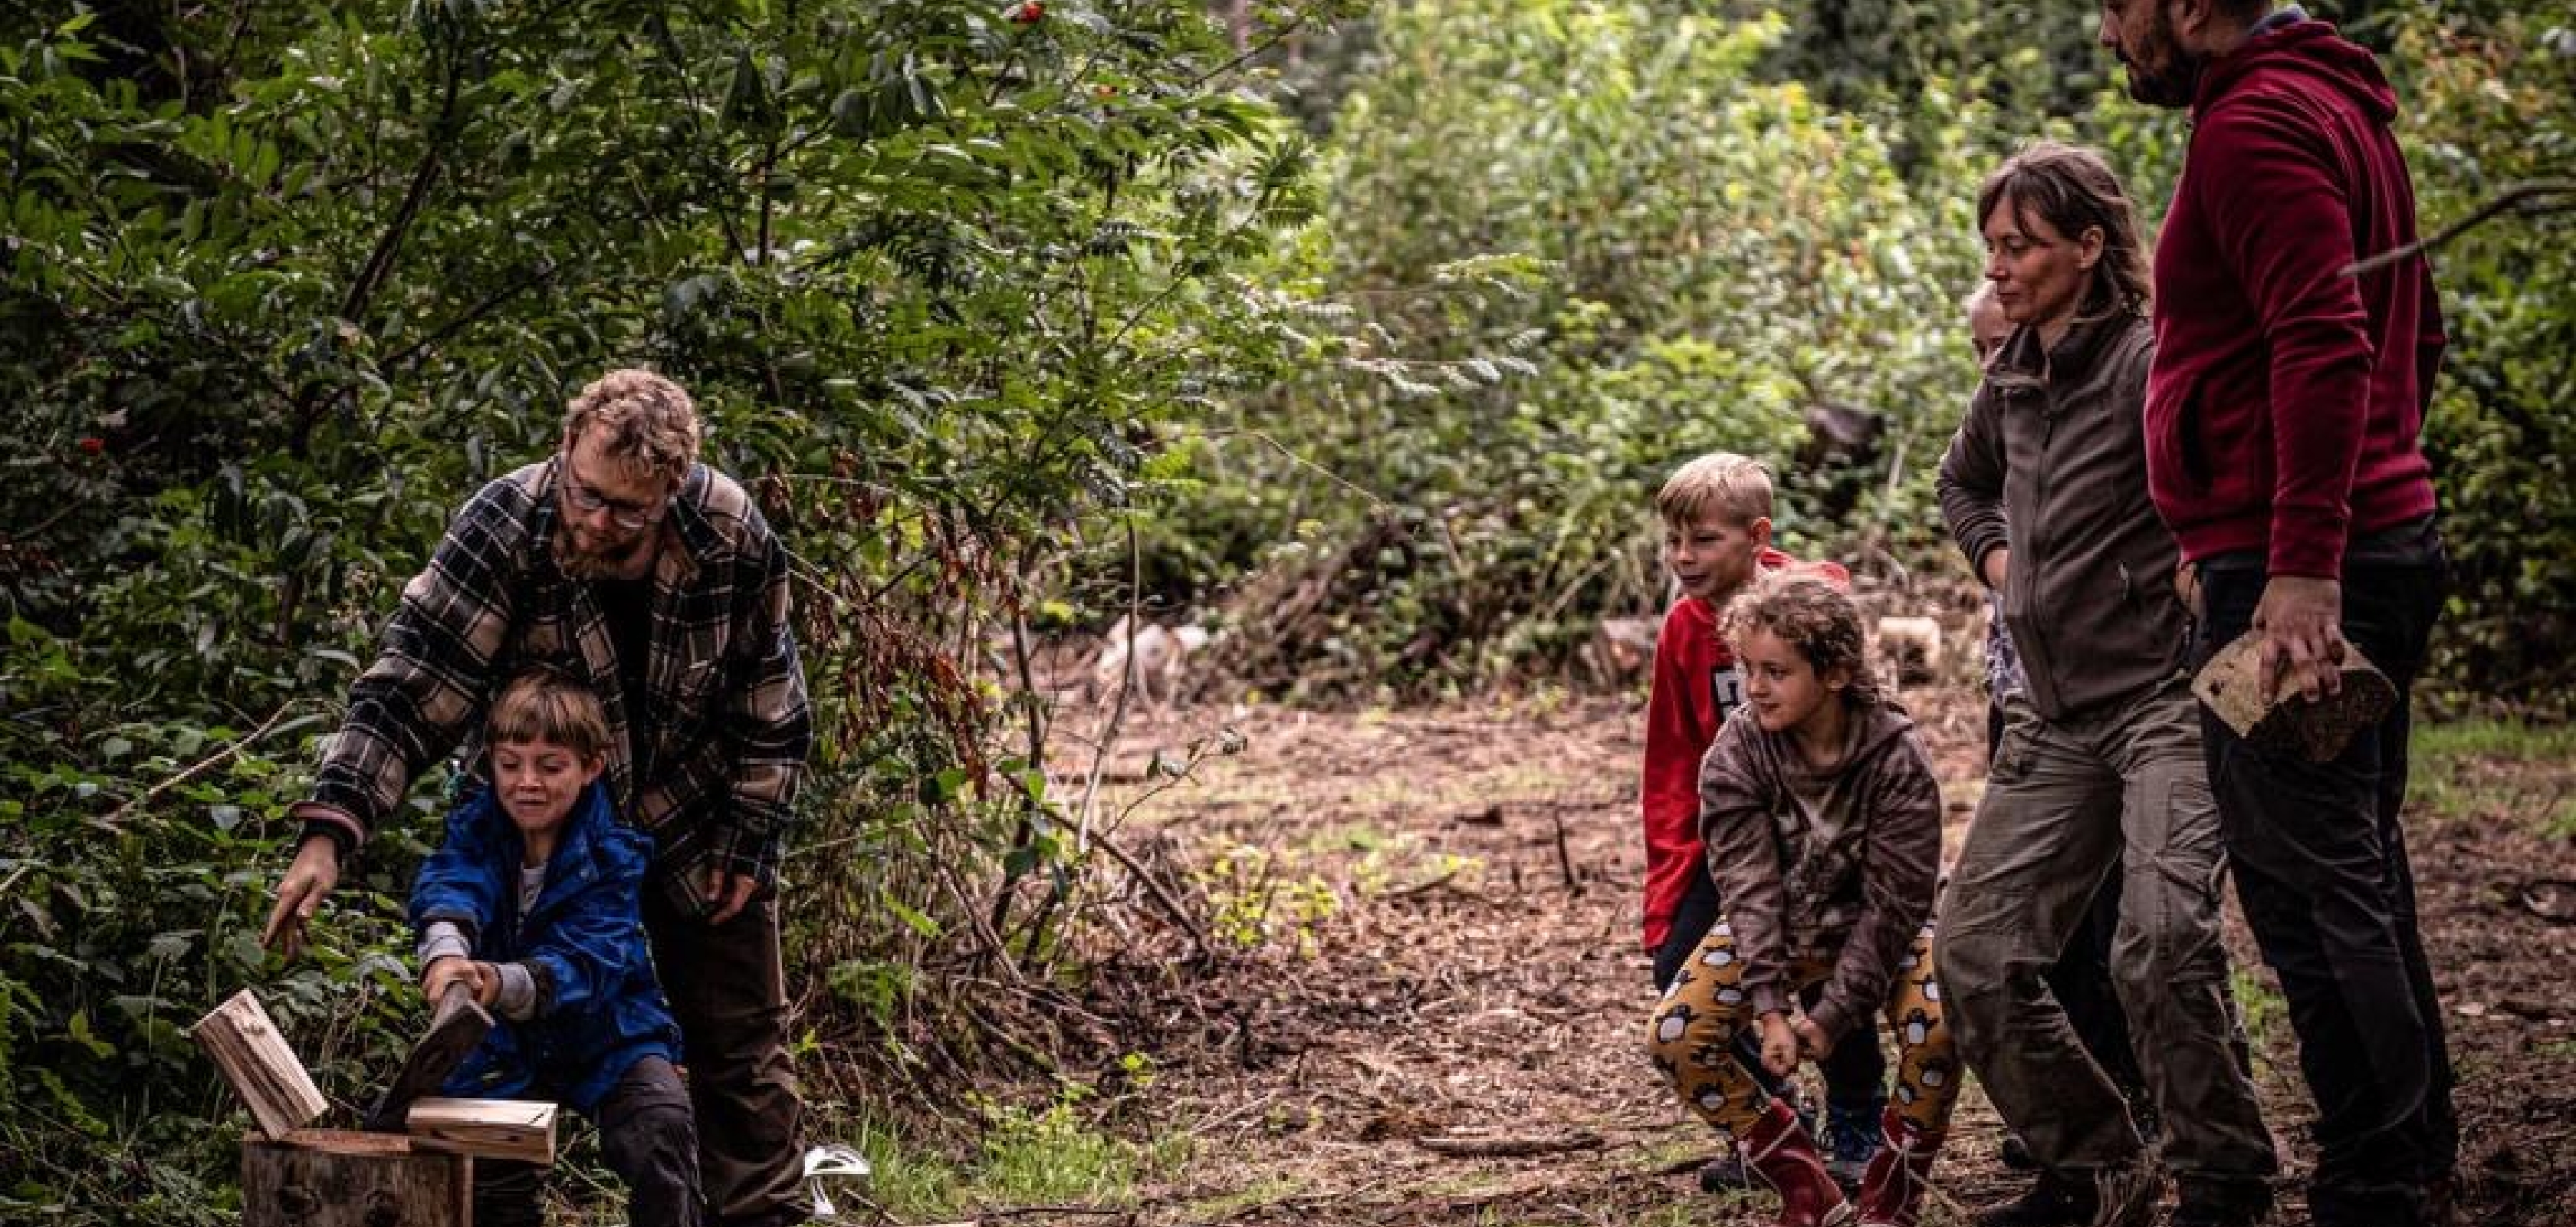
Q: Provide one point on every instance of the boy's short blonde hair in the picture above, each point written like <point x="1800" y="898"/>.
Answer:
<point x="648" y="424"/>
<point x="1813" y="617"/>
<point x="542" y="705"/>
<point x="1733" y="486"/>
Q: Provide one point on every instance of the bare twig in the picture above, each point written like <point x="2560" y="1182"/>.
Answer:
<point x="1162" y="895"/>
<point x="1277" y="37"/>
<point x="1033" y="1211"/>
<point x="2522" y="198"/>
<point x="1565" y="859"/>
<point x="202" y="766"/>
<point x="1126" y="687"/>
<point x="984" y="933"/>
<point x="1504" y="1146"/>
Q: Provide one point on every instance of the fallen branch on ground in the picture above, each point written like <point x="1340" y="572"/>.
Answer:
<point x="1508" y="1146"/>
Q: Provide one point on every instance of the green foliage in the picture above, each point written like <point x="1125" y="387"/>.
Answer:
<point x="1053" y="1155"/>
<point x="2490" y="108"/>
<point x="1606" y="236"/>
<point x="1681" y="256"/>
<point x="287" y="281"/>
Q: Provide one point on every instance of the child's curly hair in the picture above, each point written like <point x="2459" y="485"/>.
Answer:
<point x="1812" y="616"/>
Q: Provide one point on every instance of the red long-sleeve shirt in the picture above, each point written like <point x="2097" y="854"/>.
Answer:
<point x="2286" y="400"/>
<point x="1695" y="685"/>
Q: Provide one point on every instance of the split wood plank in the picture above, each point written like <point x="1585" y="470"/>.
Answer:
<point x="492" y="1128"/>
<point x="246" y="1046"/>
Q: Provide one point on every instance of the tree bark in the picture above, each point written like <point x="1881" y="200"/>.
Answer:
<point x="331" y="1178"/>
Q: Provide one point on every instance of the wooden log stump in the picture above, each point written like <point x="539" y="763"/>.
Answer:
<point x="335" y="1178"/>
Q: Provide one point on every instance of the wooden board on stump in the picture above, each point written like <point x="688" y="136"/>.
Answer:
<point x="493" y="1128"/>
<point x="334" y="1178"/>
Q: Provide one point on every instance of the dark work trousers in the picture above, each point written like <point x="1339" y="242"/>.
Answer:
<point x="1855" y="1071"/>
<point x="648" y="1139"/>
<point x="2081" y="977"/>
<point x="729" y="992"/>
<point x="2320" y="864"/>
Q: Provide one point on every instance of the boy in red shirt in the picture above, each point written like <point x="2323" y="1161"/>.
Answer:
<point x="1717" y="537"/>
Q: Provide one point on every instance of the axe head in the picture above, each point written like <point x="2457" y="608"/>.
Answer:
<point x="455" y="1027"/>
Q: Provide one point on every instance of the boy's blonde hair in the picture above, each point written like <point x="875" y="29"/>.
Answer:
<point x="1811" y="616"/>
<point x="542" y="705"/>
<point x="648" y="424"/>
<point x="1733" y="486"/>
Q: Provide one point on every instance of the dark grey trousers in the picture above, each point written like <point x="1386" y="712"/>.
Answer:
<point x="728" y="989"/>
<point x="2118" y="788"/>
<point x="2322" y="869"/>
<point x="648" y="1137"/>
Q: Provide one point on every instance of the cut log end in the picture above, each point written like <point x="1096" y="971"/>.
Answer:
<point x="2232" y="686"/>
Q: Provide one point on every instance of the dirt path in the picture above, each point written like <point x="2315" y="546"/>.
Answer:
<point x="1435" y="914"/>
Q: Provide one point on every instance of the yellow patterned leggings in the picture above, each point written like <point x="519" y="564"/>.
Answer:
<point x="1692" y="1036"/>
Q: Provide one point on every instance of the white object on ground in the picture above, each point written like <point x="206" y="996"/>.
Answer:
<point x="832" y="1160"/>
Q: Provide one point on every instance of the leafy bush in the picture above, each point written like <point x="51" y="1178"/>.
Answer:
<point x="1677" y="256"/>
<point x="2489" y="108"/>
<point x="287" y="281"/>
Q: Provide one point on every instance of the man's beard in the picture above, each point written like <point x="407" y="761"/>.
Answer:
<point x="578" y="563"/>
<point x="2177" y="84"/>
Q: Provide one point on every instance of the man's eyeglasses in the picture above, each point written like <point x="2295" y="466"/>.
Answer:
<point x="620" y="512"/>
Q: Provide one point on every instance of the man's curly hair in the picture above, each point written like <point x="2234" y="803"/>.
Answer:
<point x="1813" y="617"/>
<point x="647" y="424"/>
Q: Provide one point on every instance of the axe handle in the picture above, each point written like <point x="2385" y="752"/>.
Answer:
<point x="455" y="1027"/>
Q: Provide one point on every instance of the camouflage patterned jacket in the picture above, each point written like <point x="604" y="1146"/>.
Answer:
<point x="1836" y="869"/>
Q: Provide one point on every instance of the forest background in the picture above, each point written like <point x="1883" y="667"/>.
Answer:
<point x="1357" y="333"/>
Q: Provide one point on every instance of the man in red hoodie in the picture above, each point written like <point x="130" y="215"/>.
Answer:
<point x="2282" y="419"/>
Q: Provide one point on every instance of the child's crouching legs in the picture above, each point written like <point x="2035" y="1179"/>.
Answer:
<point x="1691" y="1036"/>
<point x="649" y="1137"/>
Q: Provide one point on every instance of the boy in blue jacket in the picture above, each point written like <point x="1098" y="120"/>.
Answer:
<point x="533" y="901"/>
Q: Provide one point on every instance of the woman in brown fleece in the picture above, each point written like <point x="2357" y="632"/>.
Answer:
<point x="1823" y="827"/>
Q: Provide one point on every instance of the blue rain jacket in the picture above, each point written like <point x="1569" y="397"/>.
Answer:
<point x="599" y="1009"/>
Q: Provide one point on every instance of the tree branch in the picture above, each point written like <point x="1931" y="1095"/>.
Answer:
<point x="2523" y="198"/>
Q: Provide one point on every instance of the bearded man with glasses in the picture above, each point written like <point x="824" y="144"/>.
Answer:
<point x="623" y="562"/>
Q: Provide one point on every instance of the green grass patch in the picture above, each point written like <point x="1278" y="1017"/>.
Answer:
<point x="2496" y="769"/>
<point x="2259" y="1005"/>
<point x="1050" y="1154"/>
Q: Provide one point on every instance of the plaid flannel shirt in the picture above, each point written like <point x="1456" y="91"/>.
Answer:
<point x="725" y="710"/>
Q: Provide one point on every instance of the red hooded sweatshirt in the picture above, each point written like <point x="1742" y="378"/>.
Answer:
<point x="1695" y="685"/>
<point x="2286" y="399"/>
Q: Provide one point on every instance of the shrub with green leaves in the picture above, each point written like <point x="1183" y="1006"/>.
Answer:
<point x="1588" y="242"/>
<point x="287" y="281"/>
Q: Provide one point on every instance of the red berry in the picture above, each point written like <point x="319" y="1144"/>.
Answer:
<point x="1026" y="12"/>
<point x="93" y="445"/>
